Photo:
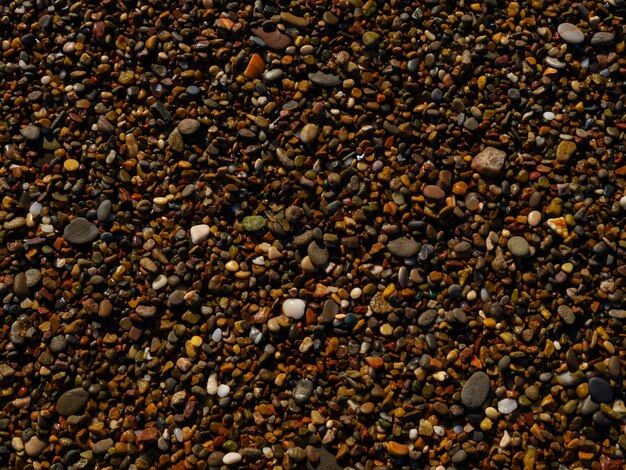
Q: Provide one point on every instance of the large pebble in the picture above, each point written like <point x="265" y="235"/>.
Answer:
<point x="476" y="389"/>
<point x="403" y="247"/>
<point x="518" y="246"/>
<point x="308" y="133"/>
<point x="80" y="231"/>
<point x="294" y="308"/>
<point x="600" y="390"/>
<point x="570" y="33"/>
<point x="303" y="391"/>
<point x="489" y="162"/>
<point x="199" y="233"/>
<point x="72" y="402"/>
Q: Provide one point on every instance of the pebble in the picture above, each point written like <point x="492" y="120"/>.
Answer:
<point x="602" y="38"/>
<point x="403" y="247"/>
<point x="35" y="446"/>
<point x="188" y="126"/>
<point x="31" y="132"/>
<point x="80" y="231"/>
<point x="507" y="406"/>
<point x="570" y="33"/>
<point x="489" y="162"/>
<point x="518" y="246"/>
<point x="600" y="390"/>
<point x="72" y="402"/>
<point x="566" y="314"/>
<point x="294" y="308"/>
<point x="324" y="79"/>
<point x="199" y="233"/>
<point x="565" y="150"/>
<point x="476" y="389"/>
<point x="308" y="133"/>
<point x="253" y="223"/>
<point x="303" y="391"/>
<point x="434" y="192"/>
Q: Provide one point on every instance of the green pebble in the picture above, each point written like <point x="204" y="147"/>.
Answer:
<point x="252" y="223"/>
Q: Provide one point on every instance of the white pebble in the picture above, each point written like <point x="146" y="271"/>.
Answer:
<point x="548" y="115"/>
<point x="294" y="308"/>
<point x="211" y="385"/>
<point x="217" y="335"/>
<point x="159" y="282"/>
<point x="199" y="233"/>
<point x="413" y="433"/>
<point x="178" y="434"/>
<point x="622" y="202"/>
<point x="35" y="208"/>
<point x="356" y="293"/>
<point x="507" y="406"/>
<point x="223" y="390"/>
<point x="506" y="440"/>
<point x="534" y="218"/>
<point x="231" y="458"/>
<point x="255" y="335"/>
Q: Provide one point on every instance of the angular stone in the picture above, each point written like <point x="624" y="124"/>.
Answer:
<point x="476" y="389"/>
<point x="489" y="162"/>
<point x="397" y="450"/>
<point x="72" y="402"/>
<point x="566" y="314"/>
<point x="325" y="79"/>
<point x="273" y="39"/>
<point x="175" y="140"/>
<point x="303" y="391"/>
<point x="253" y="223"/>
<point x="199" y="233"/>
<point x="255" y="67"/>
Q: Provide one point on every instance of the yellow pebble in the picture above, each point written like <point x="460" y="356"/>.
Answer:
<point x="196" y="341"/>
<point x="485" y="424"/>
<point x="71" y="165"/>
<point x="232" y="266"/>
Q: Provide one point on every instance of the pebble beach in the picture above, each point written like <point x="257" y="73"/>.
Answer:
<point x="321" y="235"/>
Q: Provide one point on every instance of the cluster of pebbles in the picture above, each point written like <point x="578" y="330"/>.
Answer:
<point x="295" y="234"/>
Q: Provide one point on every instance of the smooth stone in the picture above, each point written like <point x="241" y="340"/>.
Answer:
<point x="534" y="218"/>
<point x="489" y="162"/>
<point x="397" y="450"/>
<point x="329" y="311"/>
<point x="570" y="33"/>
<point x="403" y="247"/>
<point x="272" y="75"/>
<point x="216" y="458"/>
<point x="31" y="132"/>
<point x="104" y="125"/>
<point x="476" y="389"/>
<point x="72" y="402"/>
<point x="103" y="446"/>
<point x="566" y="314"/>
<point x="104" y="210"/>
<point x="434" y="192"/>
<point x="199" y="233"/>
<point x="370" y="38"/>
<point x="518" y="246"/>
<point x="325" y="461"/>
<point x="600" y="390"/>
<point x="303" y="391"/>
<point x="35" y="446"/>
<point x="318" y="253"/>
<point x="231" y="458"/>
<point x="253" y="223"/>
<point x="309" y="133"/>
<point x="175" y="141"/>
<point x="427" y="318"/>
<point x="565" y="150"/>
<point x="294" y="308"/>
<point x="188" y="126"/>
<point x="555" y="63"/>
<point x="80" y="231"/>
<point x="223" y="390"/>
<point x="602" y="38"/>
<point x="325" y="79"/>
<point x="20" y="287"/>
<point x="255" y="67"/>
<point x="507" y="406"/>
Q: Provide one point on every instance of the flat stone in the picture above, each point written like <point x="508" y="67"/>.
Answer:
<point x="308" y="133"/>
<point x="397" y="450"/>
<point x="318" y="253"/>
<point x="303" y="391"/>
<point x="518" y="246"/>
<point x="433" y="192"/>
<point x="489" y="162"/>
<point x="293" y="20"/>
<point x="148" y="436"/>
<point x="255" y="67"/>
<point x="159" y="110"/>
<point x="35" y="446"/>
<point x="31" y="132"/>
<point x="566" y="314"/>
<point x="102" y="446"/>
<point x="507" y="406"/>
<point x="379" y="304"/>
<point x="600" y="390"/>
<point x="565" y="150"/>
<point x="617" y="313"/>
<point x="80" y="231"/>
<point x="476" y="389"/>
<point x="325" y="79"/>
<point x="72" y="402"/>
<point x="427" y="318"/>
<point x="403" y="247"/>
<point x="104" y="210"/>
<point x="199" y="233"/>
<point x="188" y="126"/>
<point x="570" y="33"/>
<point x="602" y="39"/>
<point x="274" y="39"/>
<point x="253" y="223"/>
<point x="215" y="458"/>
